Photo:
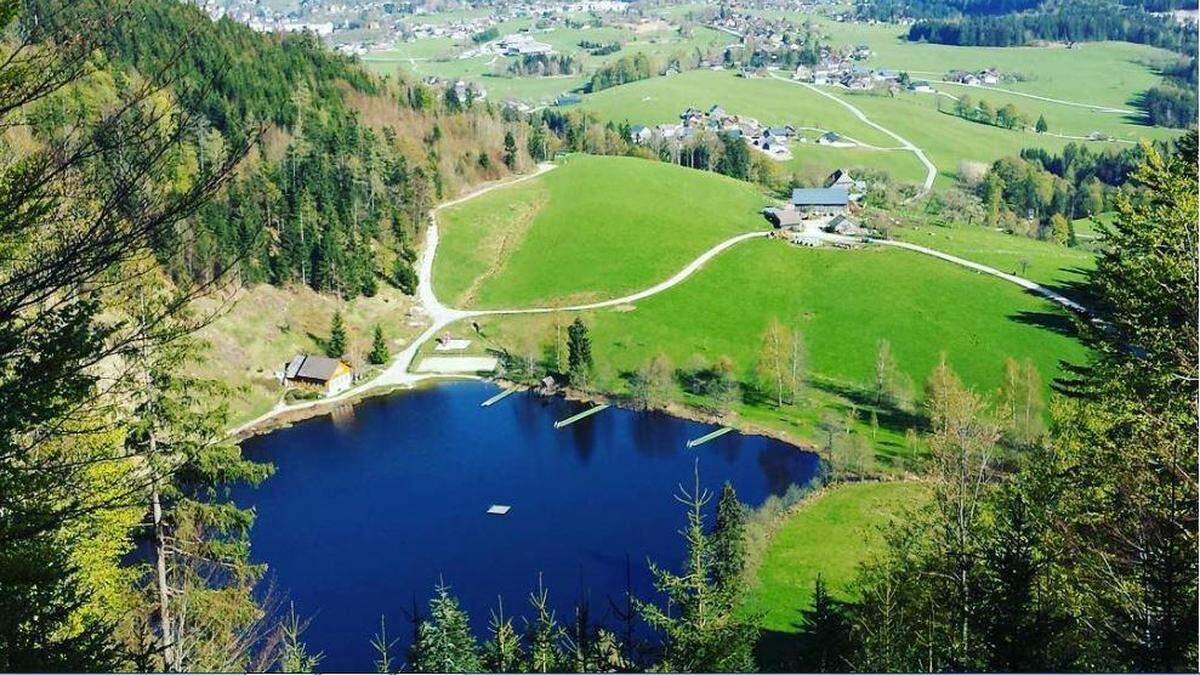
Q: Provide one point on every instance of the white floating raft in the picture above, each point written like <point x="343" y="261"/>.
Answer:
<point x="499" y="509"/>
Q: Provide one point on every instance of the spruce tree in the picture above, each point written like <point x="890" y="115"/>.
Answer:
<point x="510" y="150"/>
<point x="544" y="634"/>
<point x="579" y="352"/>
<point x="702" y="626"/>
<point x="502" y="653"/>
<point x="336" y="346"/>
<point x="729" y="542"/>
<point x="379" y="351"/>
<point x="1041" y="126"/>
<point x="444" y="643"/>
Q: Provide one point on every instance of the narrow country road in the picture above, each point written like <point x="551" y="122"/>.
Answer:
<point x="930" y="169"/>
<point x="1097" y="108"/>
<point x="398" y="374"/>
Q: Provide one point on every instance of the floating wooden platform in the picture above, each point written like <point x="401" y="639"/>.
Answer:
<point x="575" y="418"/>
<point x="499" y="509"/>
<point x="708" y="437"/>
<point x="497" y="397"/>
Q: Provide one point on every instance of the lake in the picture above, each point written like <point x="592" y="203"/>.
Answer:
<point x="369" y="508"/>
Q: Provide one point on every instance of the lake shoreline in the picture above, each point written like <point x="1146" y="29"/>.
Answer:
<point x="286" y="418"/>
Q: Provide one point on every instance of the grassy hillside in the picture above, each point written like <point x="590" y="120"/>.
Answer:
<point x="1099" y="73"/>
<point x="843" y="302"/>
<point x="831" y="533"/>
<point x="266" y="326"/>
<point x="1040" y="261"/>
<point x="596" y="227"/>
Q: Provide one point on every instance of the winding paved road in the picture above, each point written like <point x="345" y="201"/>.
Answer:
<point x="930" y="169"/>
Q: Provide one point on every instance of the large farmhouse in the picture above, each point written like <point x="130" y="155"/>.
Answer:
<point x="830" y="201"/>
<point x="329" y="376"/>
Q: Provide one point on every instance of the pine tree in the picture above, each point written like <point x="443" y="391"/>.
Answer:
<point x="379" y="350"/>
<point x="510" y="150"/>
<point x="704" y="630"/>
<point x="729" y="542"/>
<point x="1041" y="126"/>
<point x="336" y="346"/>
<point x="444" y="643"/>
<point x="294" y="656"/>
<point x="502" y="653"/>
<point x="543" y="634"/>
<point x="579" y="352"/>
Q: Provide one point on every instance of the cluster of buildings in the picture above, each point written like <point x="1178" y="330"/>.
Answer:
<point x="463" y="90"/>
<point x="812" y="212"/>
<point x="773" y="141"/>
<point x="856" y="77"/>
<point x="986" y="76"/>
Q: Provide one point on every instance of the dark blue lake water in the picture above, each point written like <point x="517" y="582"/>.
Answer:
<point x="367" y="510"/>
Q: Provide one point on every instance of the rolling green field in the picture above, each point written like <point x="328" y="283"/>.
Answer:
<point x="1046" y="263"/>
<point x="843" y="302"/>
<point x="592" y="229"/>
<point x="660" y="100"/>
<point x="439" y="57"/>
<point x="1097" y="73"/>
<point x="831" y="533"/>
<point x="597" y="227"/>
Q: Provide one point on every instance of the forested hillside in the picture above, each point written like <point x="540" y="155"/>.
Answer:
<point x="335" y="192"/>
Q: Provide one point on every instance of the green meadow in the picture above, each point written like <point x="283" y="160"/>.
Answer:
<point x="594" y="228"/>
<point x="1043" y="262"/>
<point x="603" y="227"/>
<point x="1096" y="73"/>
<point x="660" y="100"/>
<point x="843" y="302"/>
<point x="830" y="533"/>
<point x="439" y="57"/>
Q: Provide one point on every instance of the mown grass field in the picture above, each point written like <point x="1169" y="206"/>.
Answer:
<point x="830" y="533"/>
<point x="843" y="302"/>
<point x="594" y="228"/>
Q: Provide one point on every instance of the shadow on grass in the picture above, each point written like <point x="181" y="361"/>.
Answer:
<point x="778" y="651"/>
<point x="890" y="417"/>
<point x="1055" y="322"/>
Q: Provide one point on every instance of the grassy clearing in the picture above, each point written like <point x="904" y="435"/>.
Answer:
<point x="267" y="326"/>
<point x="596" y="227"/>
<point x="830" y="533"/>
<point x="1064" y="119"/>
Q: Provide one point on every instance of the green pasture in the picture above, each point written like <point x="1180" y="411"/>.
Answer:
<point x="831" y="533"/>
<point x="594" y="228"/>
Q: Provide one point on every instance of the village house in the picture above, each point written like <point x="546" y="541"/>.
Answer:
<point x="318" y="373"/>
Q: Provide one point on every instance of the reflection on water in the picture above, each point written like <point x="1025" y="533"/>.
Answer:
<point x="368" y="510"/>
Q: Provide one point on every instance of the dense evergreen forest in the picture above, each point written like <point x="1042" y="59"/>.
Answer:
<point x="347" y="166"/>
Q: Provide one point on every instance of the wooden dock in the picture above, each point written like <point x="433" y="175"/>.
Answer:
<point x="498" y="397"/>
<point x="708" y="437"/>
<point x="575" y="418"/>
